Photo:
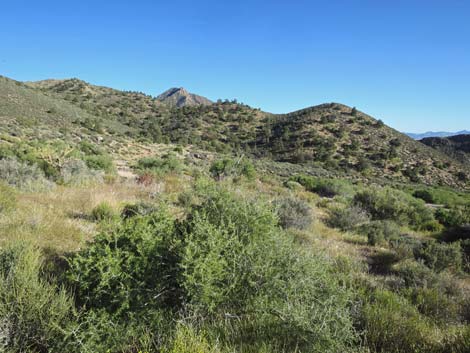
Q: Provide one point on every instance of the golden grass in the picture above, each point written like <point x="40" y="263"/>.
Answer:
<point x="57" y="219"/>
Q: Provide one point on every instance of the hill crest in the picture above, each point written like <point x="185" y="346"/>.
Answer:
<point x="180" y="97"/>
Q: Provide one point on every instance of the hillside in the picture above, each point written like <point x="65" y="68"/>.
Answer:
<point x="457" y="147"/>
<point x="330" y="136"/>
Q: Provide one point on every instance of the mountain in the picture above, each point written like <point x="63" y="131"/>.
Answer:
<point x="419" y="136"/>
<point x="329" y="139"/>
<point x="179" y="97"/>
<point x="457" y="146"/>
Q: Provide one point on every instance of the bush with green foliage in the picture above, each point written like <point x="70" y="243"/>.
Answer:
<point x="103" y="211"/>
<point x="237" y="263"/>
<point x="34" y="313"/>
<point x="229" y="167"/>
<point x="168" y="163"/>
<point x="393" y="325"/>
<point x="100" y="162"/>
<point x="347" y="217"/>
<point x="324" y="187"/>
<point x="416" y="274"/>
<point x="425" y="195"/>
<point x="90" y="149"/>
<point x="293" y="213"/>
<point x="380" y="232"/>
<point x="382" y="261"/>
<point x="454" y="216"/>
<point x="228" y="266"/>
<point x="441" y="256"/>
<point x="405" y="246"/>
<point x="131" y="269"/>
<point x="433" y="303"/>
<point x="465" y="246"/>
<point x="390" y="204"/>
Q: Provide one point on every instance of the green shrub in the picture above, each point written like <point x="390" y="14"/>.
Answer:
<point x="229" y="167"/>
<point x="324" y="187"/>
<point x="458" y="340"/>
<point x="293" y="213"/>
<point x="102" y="212"/>
<point x="392" y="325"/>
<point x="33" y="311"/>
<point x="293" y="185"/>
<point x="90" y="149"/>
<point x="395" y="205"/>
<point x="416" y="274"/>
<point x="465" y="246"/>
<point x="168" y="163"/>
<point x="187" y="199"/>
<point x="454" y="216"/>
<point x="237" y="262"/>
<point x="380" y="232"/>
<point x="431" y="226"/>
<point x="347" y="218"/>
<point x="435" y="304"/>
<point x="228" y="266"/>
<point x="7" y="198"/>
<point x="406" y="247"/>
<point x="425" y="195"/>
<point x="100" y="162"/>
<point x="131" y="269"/>
<point x="99" y="331"/>
<point x="441" y="256"/>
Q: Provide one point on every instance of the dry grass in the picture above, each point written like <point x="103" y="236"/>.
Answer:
<point x="58" y="219"/>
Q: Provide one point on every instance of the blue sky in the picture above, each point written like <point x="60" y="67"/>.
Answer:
<point x="405" y="62"/>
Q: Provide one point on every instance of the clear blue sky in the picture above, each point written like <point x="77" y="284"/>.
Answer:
<point x="406" y="62"/>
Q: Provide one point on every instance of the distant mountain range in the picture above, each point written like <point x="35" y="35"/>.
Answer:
<point x="419" y="136"/>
